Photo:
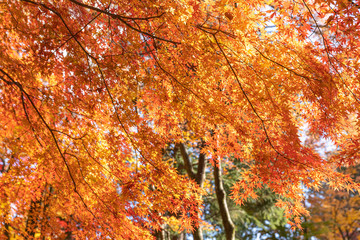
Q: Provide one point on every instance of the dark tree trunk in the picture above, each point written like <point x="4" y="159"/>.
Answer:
<point x="199" y="178"/>
<point x="161" y="235"/>
<point x="229" y="226"/>
<point x="181" y="236"/>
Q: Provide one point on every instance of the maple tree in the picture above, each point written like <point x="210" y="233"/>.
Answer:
<point x="335" y="214"/>
<point x="93" y="92"/>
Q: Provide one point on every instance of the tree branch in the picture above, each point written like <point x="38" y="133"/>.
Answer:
<point x="122" y="19"/>
<point x="187" y="162"/>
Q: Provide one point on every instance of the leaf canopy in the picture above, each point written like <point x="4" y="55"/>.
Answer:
<point x="92" y="92"/>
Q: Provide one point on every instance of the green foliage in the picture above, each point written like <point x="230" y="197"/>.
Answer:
<point x="256" y="217"/>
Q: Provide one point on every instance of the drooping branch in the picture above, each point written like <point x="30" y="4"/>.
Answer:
<point x="122" y="19"/>
<point x="83" y="48"/>
<point x="12" y="81"/>
<point x="326" y="46"/>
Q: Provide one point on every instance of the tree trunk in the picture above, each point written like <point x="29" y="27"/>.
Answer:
<point x="181" y="236"/>
<point x="199" y="178"/>
<point x="229" y="226"/>
<point x="160" y="235"/>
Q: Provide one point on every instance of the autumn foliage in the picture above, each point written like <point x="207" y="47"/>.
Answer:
<point x="335" y="214"/>
<point x="92" y="93"/>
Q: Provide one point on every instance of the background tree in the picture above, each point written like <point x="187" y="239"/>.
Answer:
<point x="335" y="214"/>
<point x="256" y="217"/>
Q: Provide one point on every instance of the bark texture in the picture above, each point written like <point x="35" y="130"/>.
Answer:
<point x="199" y="177"/>
<point x="229" y="226"/>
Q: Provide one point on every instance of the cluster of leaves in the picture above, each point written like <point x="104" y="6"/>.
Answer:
<point x="94" y="92"/>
